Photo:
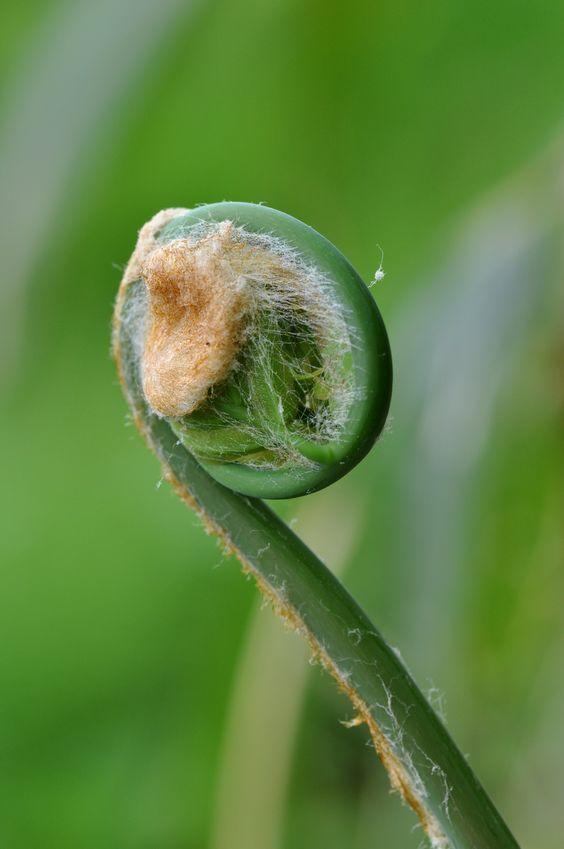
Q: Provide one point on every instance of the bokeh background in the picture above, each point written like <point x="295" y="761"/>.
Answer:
<point x="146" y="701"/>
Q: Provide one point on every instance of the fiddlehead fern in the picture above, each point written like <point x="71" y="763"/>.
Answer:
<point x="257" y="364"/>
<point x="261" y="346"/>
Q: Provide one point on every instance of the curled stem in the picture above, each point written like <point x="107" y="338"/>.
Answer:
<point x="423" y="763"/>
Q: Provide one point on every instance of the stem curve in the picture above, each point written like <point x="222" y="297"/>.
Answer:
<point x="423" y="762"/>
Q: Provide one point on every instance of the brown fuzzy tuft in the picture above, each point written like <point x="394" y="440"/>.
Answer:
<point x="197" y="305"/>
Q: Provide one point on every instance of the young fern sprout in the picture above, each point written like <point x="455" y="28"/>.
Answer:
<point x="257" y="365"/>
<point x="259" y="344"/>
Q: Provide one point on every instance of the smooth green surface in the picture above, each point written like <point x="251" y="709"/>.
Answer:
<point x="371" y="364"/>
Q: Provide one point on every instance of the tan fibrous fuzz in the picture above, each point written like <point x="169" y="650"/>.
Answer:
<point x="208" y="294"/>
<point x="198" y="301"/>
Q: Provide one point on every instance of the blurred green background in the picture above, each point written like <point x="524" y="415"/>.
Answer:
<point x="145" y="699"/>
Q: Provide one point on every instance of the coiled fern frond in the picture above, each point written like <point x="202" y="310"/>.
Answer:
<point x="257" y="365"/>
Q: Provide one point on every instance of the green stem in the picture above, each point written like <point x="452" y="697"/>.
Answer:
<point x="423" y="761"/>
